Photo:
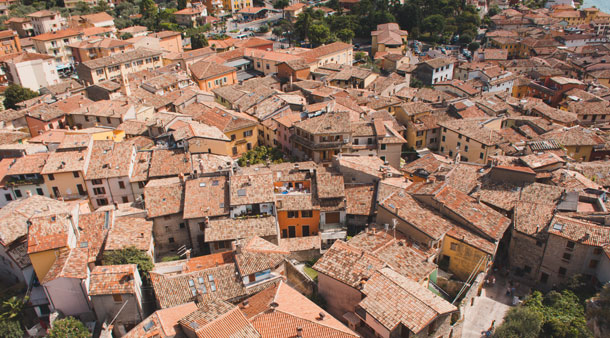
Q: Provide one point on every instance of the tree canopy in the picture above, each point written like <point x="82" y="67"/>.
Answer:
<point x="68" y="327"/>
<point x="555" y="314"/>
<point x="15" y="94"/>
<point x="130" y="255"/>
<point x="260" y="155"/>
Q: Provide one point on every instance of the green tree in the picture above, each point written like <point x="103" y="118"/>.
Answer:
<point x="15" y="94"/>
<point x="360" y="56"/>
<point x="126" y="36"/>
<point x="148" y="8"/>
<point x="10" y="329"/>
<point x="599" y="311"/>
<point x="520" y="322"/>
<point x="131" y="255"/>
<point x="473" y="46"/>
<point x="281" y="4"/>
<point x="181" y="4"/>
<point x="346" y="35"/>
<point x="319" y="34"/>
<point x="82" y="8"/>
<point x="102" y="6"/>
<point x="263" y="29"/>
<point x="261" y="155"/>
<point x="12" y="308"/>
<point x="69" y="327"/>
<point x="198" y="41"/>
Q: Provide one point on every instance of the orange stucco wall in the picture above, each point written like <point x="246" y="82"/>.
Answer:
<point x="298" y="223"/>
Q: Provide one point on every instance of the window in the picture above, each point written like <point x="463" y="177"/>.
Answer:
<point x="75" y="173"/>
<point x="39" y="191"/>
<point x="383" y="147"/>
<point x="141" y="185"/>
<point x="567" y="257"/>
<point x="18" y="193"/>
<point x="442" y="149"/>
<point x="96" y="182"/>
<point x="307" y="214"/>
<point x="51" y="177"/>
<point x="99" y="191"/>
<point x="234" y="150"/>
<point x="527" y="269"/>
<point x="125" y="199"/>
<point x="481" y="155"/>
<point x="212" y="283"/>
<point x="117" y="298"/>
<point x="466" y="148"/>
<point x="102" y="201"/>
<point x="418" y="143"/>
<point x="171" y="239"/>
<point x="420" y="133"/>
<point x="182" y="225"/>
<point x="459" y="145"/>
<point x="121" y="184"/>
<point x="454" y="247"/>
<point x="570" y="245"/>
<point x="249" y="146"/>
<point x="443" y="138"/>
<point x="597" y="251"/>
<point x="539" y="243"/>
<point x="382" y="158"/>
<point x="233" y="137"/>
<point x="593" y="263"/>
<point x="81" y="190"/>
<point x="293" y="214"/>
<point x="459" y="136"/>
<point x="562" y="271"/>
<point x="450" y="153"/>
<point x="544" y="277"/>
<point x="8" y="197"/>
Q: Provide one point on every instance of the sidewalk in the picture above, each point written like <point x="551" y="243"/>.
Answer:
<point x="492" y="304"/>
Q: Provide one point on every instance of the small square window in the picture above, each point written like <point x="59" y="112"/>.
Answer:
<point x="454" y="246"/>
<point x="171" y="239"/>
<point x="117" y="298"/>
<point x="593" y="264"/>
<point x="562" y="271"/>
<point x="567" y="256"/>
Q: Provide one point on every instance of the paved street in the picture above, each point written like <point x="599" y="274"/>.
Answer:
<point x="491" y="305"/>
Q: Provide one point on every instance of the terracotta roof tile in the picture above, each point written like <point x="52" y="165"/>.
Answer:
<point x="130" y="231"/>
<point x="113" y="279"/>
<point x="230" y="229"/>
<point x="251" y="188"/>
<point x="71" y="263"/>
<point x="166" y="162"/>
<point x="162" y="322"/>
<point x="164" y="196"/>
<point x="393" y="299"/>
<point x="206" y="196"/>
<point x="256" y="254"/>
<point x="48" y="232"/>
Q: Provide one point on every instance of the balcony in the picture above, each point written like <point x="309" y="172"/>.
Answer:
<point x="320" y="145"/>
<point x="29" y="181"/>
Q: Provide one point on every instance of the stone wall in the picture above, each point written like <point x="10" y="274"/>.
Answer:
<point x="298" y="280"/>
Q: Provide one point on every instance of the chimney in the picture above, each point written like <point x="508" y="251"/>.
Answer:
<point x="245" y="304"/>
<point x="299" y="332"/>
<point x="188" y="254"/>
<point x="29" y="193"/>
<point x="322" y="315"/>
<point x="181" y="177"/>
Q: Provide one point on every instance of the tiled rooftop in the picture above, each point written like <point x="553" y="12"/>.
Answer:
<point x="164" y="196"/>
<point x="206" y="196"/>
<point x="230" y="229"/>
<point x="113" y="279"/>
<point x="130" y="231"/>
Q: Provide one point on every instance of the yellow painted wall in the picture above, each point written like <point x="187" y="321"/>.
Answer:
<point x="66" y="182"/>
<point x="463" y="257"/>
<point x="214" y="146"/>
<point x="241" y="141"/>
<point x="42" y="261"/>
<point x="449" y="143"/>
<point x="582" y="153"/>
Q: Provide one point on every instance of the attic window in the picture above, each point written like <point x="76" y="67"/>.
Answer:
<point x="212" y="283"/>
<point x="222" y="205"/>
<point x="84" y="244"/>
<point x="241" y="192"/>
<point x="191" y="282"/>
<point x="200" y="280"/>
<point x="202" y="184"/>
<point x="558" y="226"/>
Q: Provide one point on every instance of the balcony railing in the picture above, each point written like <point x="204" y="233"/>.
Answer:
<point x="320" y="145"/>
<point x="25" y="181"/>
